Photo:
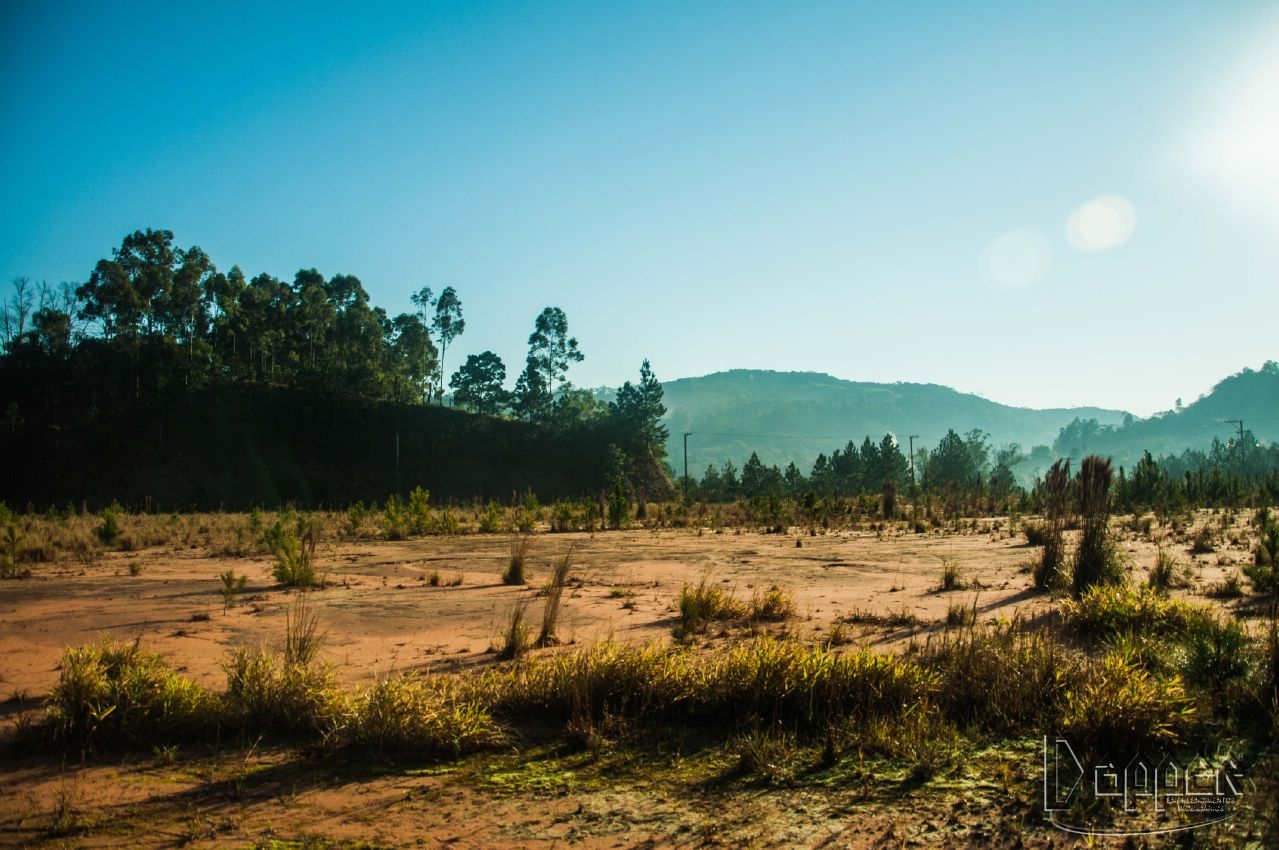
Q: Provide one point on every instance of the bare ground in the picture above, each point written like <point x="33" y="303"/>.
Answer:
<point x="381" y="614"/>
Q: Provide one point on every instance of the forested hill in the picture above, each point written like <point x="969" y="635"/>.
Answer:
<point x="761" y="405"/>
<point x="1250" y="396"/>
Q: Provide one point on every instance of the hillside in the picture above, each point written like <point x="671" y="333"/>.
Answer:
<point x="1249" y="395"/>
<point x="794" y="416"/>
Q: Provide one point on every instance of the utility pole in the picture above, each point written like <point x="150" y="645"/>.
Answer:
<point x="912" y="439"/>
<point x="1238" y="422"/>
<point x="687" y="434"/>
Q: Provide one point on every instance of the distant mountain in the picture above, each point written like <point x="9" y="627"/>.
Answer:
<point x="1248" y="396"/>
<point x="794" y="416"/>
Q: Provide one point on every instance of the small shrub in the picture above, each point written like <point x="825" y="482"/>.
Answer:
<point x="491" y="519"/>
<point x="1035" y="533"/>
<point x="231" y="585"/>
<point x="419" y="511"/>
<point x="529" y="513"/>
<point x="108" y="531"/>
<point x="394" y="519"/>
<point x="619" y="506"/>
<point x="355" y="518"/>
<point x="1263" y="572"/>
<point x="515" y="574"/>
<point x="12" y="541"/>
<point x="294" y="550"/>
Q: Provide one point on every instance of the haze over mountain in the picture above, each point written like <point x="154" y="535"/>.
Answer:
<point x="794" y="416"/>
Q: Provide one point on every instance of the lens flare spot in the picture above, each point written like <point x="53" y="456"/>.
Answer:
<point x="1103" y="223"/>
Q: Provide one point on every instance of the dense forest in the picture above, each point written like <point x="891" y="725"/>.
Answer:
<point x="162" y="380"/>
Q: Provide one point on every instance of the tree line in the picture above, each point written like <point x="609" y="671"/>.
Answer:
<point x="157" y="331"/>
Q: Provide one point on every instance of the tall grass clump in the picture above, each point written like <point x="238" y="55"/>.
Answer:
<point x="1049" y="573"/>
<point x="951" y="578"/>
<point x="703" y="604"/>
<point x="1003" y="679"/>
<point x="515" y="572"/>
<point x="1120" y="707"/>
<point x="1097" y="560"/>
<point x="429" y="717"/>
<point x="266" y="692"/>
<point x="1108" y="611"/>
<point x="302" y="634"/>
<point x="1167" y="572"/>
<point x="116" y="692"/>
<point x="774" y="605"/>
<point x="515" y="636"/>
<point x="554" y="597"/>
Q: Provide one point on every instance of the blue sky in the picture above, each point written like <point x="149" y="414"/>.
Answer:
<point x="1048" y="204"/>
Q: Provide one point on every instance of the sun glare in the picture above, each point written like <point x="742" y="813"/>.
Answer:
<point x="1238" y="149"/>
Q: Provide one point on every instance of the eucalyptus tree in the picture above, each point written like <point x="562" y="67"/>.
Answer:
<point x="448" y="325"/>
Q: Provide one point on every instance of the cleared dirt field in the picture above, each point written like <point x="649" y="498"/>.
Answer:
<point x="381" y="614"/>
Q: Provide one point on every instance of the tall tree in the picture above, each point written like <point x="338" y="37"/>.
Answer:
<point x="532" y="399"/>
<point x="640" y="410"/>
<point x="448" y="325"/>
<point x="477" y="384"/>
<point x="550" y="349"/>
